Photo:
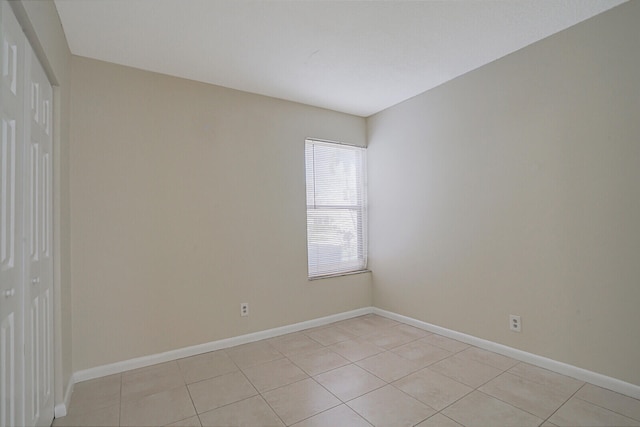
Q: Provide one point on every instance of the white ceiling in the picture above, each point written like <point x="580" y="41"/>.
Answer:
<point x="358" y="57"/>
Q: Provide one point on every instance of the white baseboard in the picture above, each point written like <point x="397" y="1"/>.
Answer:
<point x="523" y="356"/>
<point x="140" y="362"/>
<point x="543" y="362"/>
<point x="60" y="410"/>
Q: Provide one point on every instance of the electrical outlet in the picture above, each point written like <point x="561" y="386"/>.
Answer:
<point x="244" y="309"/>
<point x="515" y="323"/>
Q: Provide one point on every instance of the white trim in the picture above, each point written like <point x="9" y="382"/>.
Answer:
<point x="60" y="410"/>
<point x="140" y="362"/>
<point x="329" y="276"/>
<point x="329" y="142"/>
<point x="523" y="356"/>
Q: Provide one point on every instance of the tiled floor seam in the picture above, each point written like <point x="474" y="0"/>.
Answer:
<point x="346" y="402"/>
<point x="363" y="394"/>
<point x="449" y="417"/>
<point x="517" y="407"/>
<point x="328" y="391"/>
<point x="414" y="398"/>
<point x="468" y="385"/>
<point x="272" y="410"/>
<point x="479" y="391"/>
<point x="280" y="386"/>
<point x="484" y="363"/>
<point x="315" y="415"/>
<point x="192" y="403"/>
<point x="604" y="407"/>
<point x="252" y="385"/>
<point x="372" y="373"/>
<point x="564" y="403"/>
<point x="378" y="388"/>
<point x="238" y="401"/>
<point x="120" y="403"/>
<point x="452" y="403"/>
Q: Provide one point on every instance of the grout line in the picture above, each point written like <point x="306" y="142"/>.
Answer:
<point x="511" y="404"/>
<point x="452" y="403"/>
<point x="190" y="397"/>
<point x="564" y="403"/>
<point x="325" y="410"/>
<point x="525" y="410"/>
<point x="120" y="401"/>
<point x="449" y="418"/>
<point x="546" y="370"/>
<point x="604" y="407"/>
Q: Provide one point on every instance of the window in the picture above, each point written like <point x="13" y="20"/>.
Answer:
<point x="336" y="208"/>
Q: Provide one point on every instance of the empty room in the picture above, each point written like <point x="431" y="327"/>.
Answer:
<point x="320" y="213"/>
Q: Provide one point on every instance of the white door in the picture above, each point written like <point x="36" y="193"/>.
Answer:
<point x="38" y="321"/>
<point x="26" y="267"/>
<point x="11" y="220"/>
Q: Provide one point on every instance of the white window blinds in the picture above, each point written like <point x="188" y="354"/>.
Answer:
<point x="336" y="208"/>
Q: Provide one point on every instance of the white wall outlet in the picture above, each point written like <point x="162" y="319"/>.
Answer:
<point x="244" y="309"/>
<point x="515" y="323"/>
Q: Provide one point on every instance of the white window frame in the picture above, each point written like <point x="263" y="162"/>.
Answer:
<point x="320" y="266"/>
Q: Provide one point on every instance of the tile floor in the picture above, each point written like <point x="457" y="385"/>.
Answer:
<point x="366" y="371"/>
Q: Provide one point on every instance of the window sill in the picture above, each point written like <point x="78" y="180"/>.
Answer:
<point x="328" y="276"/>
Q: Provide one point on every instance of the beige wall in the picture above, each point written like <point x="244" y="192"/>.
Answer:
<point x="512" y="190"/>
<point x="515" y="189"/>
<point x="40" y="21"/>
<point x="186" y="200"/>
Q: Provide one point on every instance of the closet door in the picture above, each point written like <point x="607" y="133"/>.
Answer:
<point x="11" y="219"/>
<point x="38" y="263"/>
